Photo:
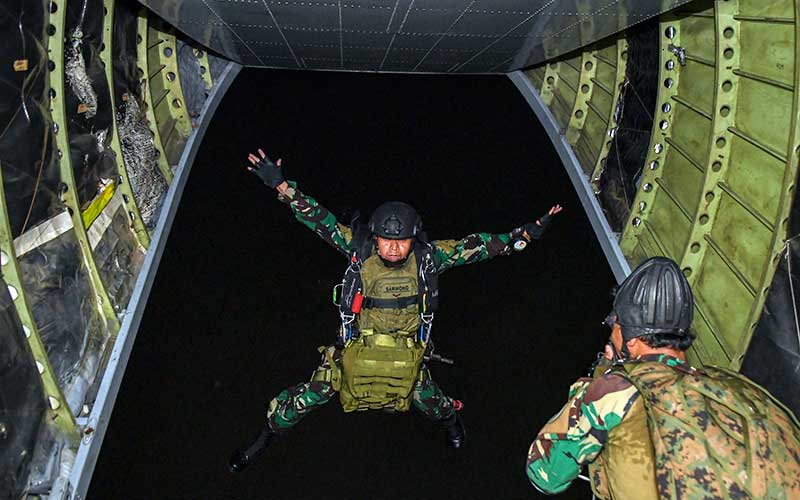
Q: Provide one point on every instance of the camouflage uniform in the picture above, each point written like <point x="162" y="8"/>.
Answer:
<point x="658" y="428"/>
<point x="293" y="403"/>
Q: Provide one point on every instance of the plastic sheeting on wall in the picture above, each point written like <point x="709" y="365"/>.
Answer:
<point x="63" y="305"/>
<point x="628" y="152"/>
<point x="127" y="77"/>
<point x="138" y="149"/>
<point x="22" y="403"/>
<point x="30" y="174"/>
<point x="773" y="356"/>
<point x="46" y="461"/>
<point x="193" y="85"/>
<point x="85" y="32"/>
<point x="118" y="255"/>
<point x="88" y="101"/>
<point x="141" y="163"/>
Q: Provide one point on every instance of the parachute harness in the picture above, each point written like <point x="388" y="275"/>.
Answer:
<point x="426" y="268"/>
<point x="350" y="296"/>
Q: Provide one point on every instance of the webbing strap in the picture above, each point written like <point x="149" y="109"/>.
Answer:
<point x="400" y="303"/>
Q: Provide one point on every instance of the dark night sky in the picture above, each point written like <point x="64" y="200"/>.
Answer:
<point x="242" y="296"/>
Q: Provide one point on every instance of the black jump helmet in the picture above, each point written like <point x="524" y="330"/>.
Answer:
<point x="654" y="298"/>
<point x="395" y="220"/>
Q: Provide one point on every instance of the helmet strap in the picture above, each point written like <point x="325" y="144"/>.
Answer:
<point x="616" y="356"/>
<point x="624" y="353"/>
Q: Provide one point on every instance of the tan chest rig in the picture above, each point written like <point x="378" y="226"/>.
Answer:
<point x="380" y="364"/>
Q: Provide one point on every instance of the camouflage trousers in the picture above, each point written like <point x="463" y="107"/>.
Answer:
<point x="295" y="402"/>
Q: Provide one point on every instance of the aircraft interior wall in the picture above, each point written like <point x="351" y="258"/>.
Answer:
<point x="713" y="189"/>
<point x="94" y="126"/>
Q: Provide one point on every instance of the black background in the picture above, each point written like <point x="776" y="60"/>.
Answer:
<point x="242" y="296"/>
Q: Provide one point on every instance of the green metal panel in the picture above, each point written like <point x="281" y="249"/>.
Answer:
<point x="717" y="200"/>
<point x="563" y="99"/>
<point x="570" y="71"/>
<point x="550" y="83"/>
<point x="124" y="186"/>
<point x="164" y="85"/>
<point x="583" y="91"/>
<point x="718" y="179"/>
<point x="660" y="147"/>
<point x="205" y="71"/>
<point x="143" y="65"/>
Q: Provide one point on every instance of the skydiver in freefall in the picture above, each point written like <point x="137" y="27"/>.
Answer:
<point x="387" y="301"/>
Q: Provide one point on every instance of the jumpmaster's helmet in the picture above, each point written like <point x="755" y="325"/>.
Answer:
<point x="395" y="220"/>
<point x="654" y="298"/>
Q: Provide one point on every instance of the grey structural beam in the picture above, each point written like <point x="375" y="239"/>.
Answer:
<point x="608" y="239"/>
<point x="98" y="419"/>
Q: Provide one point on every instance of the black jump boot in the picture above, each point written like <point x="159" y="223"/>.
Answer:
<point x="242" y="458"/>
<point x="455" y="430"/>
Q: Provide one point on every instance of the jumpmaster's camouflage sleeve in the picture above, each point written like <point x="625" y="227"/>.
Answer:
<point x="576" y="435"/>
<point x="474" y="248"/>
<point x="317" y="218"/>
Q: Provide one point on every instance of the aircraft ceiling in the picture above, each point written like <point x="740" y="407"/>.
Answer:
<point x="439" y="36"/>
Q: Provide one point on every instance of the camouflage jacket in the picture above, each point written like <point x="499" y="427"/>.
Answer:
<point x="577" y="434"/>
<point x="474" y="248"/>
<point x="657" y="428"/>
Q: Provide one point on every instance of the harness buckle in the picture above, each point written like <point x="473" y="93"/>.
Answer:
<point x="346" y="332"/>
<point x="425" y="327"/>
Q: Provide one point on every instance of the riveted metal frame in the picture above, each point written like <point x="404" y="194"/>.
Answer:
<point x="611" y="128"/>
<point x="100" y="415"/>
<point x="550" y="83"/>
<point x="70" y="198"/>
<point x="60" y="413"/>
<point x="716" y="162"/>
<point x="124" y="185"/>
<point x="566" y="90"/>
<point x="142" y="65"/>
<point x="163" y="80"/>
<point x="730" y="173"/>
<point x="606" y="238"/>
<point x="205" y="69"/>
<point x="719" y="177"/>
<point x="657" y="150"/>
<point x="539" y="86"/>
<point x="580" y="107"/>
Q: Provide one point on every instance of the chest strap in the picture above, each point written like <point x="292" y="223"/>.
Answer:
<point x="399" y="303"/>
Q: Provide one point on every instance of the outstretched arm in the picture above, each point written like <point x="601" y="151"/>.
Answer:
<point x="316" y="217"/>
<point x="479" y="247"/>
<point x="305" y="208"/>
<point x="470" y="249"/>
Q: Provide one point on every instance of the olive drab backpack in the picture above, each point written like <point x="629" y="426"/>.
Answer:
<point x="716" y="434"/>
